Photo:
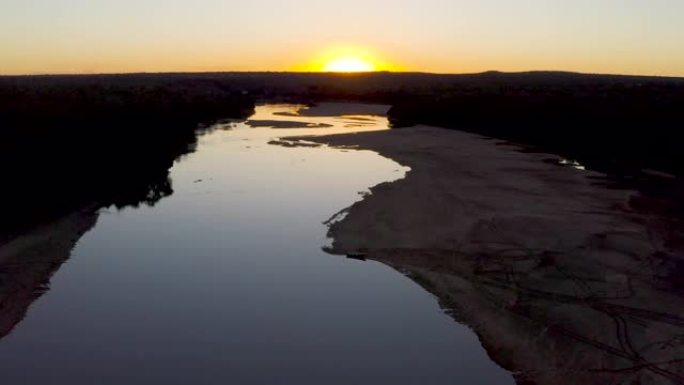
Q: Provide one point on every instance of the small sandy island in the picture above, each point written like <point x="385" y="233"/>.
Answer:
<point x="561" y="278"/>
<point x="324" y="115"/>
<point x="285" y="124"/>
<point x="342" y="109"/>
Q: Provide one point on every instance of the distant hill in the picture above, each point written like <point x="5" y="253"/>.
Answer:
<point x="379" y="86"/>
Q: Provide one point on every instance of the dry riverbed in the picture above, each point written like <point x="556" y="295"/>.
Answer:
<point x="561" y="278"/>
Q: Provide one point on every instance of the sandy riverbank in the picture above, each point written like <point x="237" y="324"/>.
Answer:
<point x="563" y="281"/>
<point x="338" y="109"/>
<point x="27" y="263"/>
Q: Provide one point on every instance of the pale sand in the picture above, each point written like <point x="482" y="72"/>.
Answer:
<point x="563" y="282"/>
<point x="285" y="124"/>
<point x="342" y="109"/>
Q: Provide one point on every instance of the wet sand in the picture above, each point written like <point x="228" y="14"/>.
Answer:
<point x="561" y="278"/>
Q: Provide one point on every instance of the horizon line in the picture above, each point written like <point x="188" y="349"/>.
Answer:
<point x="322" y="73"/>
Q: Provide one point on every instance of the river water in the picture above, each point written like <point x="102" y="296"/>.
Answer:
<point x="226" y="280"/>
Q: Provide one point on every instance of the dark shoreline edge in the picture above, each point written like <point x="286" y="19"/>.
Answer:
<point x="564" y="281"/>
<point x="67" y="146"/>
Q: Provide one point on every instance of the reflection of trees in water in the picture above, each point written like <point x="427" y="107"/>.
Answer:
<point x="29" y="260"/>
<point x="66" y="152"/>
<point x="106" y="142"/>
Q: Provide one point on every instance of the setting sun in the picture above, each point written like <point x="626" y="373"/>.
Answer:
<point x="346" y="58"/>
<point x="348" y="64"/>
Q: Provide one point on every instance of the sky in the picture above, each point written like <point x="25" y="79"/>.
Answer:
<point x="444" y="36"/>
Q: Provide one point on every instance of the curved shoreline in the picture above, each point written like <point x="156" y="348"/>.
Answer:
<point x="560" y="277"/>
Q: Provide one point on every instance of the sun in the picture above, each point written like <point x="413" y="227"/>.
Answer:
<point x="346" y="58"/>
<point x="349" y="64"/>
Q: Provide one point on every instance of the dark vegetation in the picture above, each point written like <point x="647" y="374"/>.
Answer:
<point x="70" y="141"/>
<point x="620" y="125"/>
<point x="65" y="145"/>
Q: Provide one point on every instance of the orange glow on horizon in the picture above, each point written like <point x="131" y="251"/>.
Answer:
<point x="347" y="59"/>
<point x="348" y="64"/>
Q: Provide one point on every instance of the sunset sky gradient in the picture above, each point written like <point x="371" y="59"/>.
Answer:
<point x="447" y="36"/>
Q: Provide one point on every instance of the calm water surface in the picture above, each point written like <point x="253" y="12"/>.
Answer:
<point x="226" y="282"/>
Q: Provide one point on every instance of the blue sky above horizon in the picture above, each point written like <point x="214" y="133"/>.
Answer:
<point x="87" y="36"/>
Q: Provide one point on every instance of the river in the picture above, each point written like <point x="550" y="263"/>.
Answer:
<point x="227" y="280"/>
